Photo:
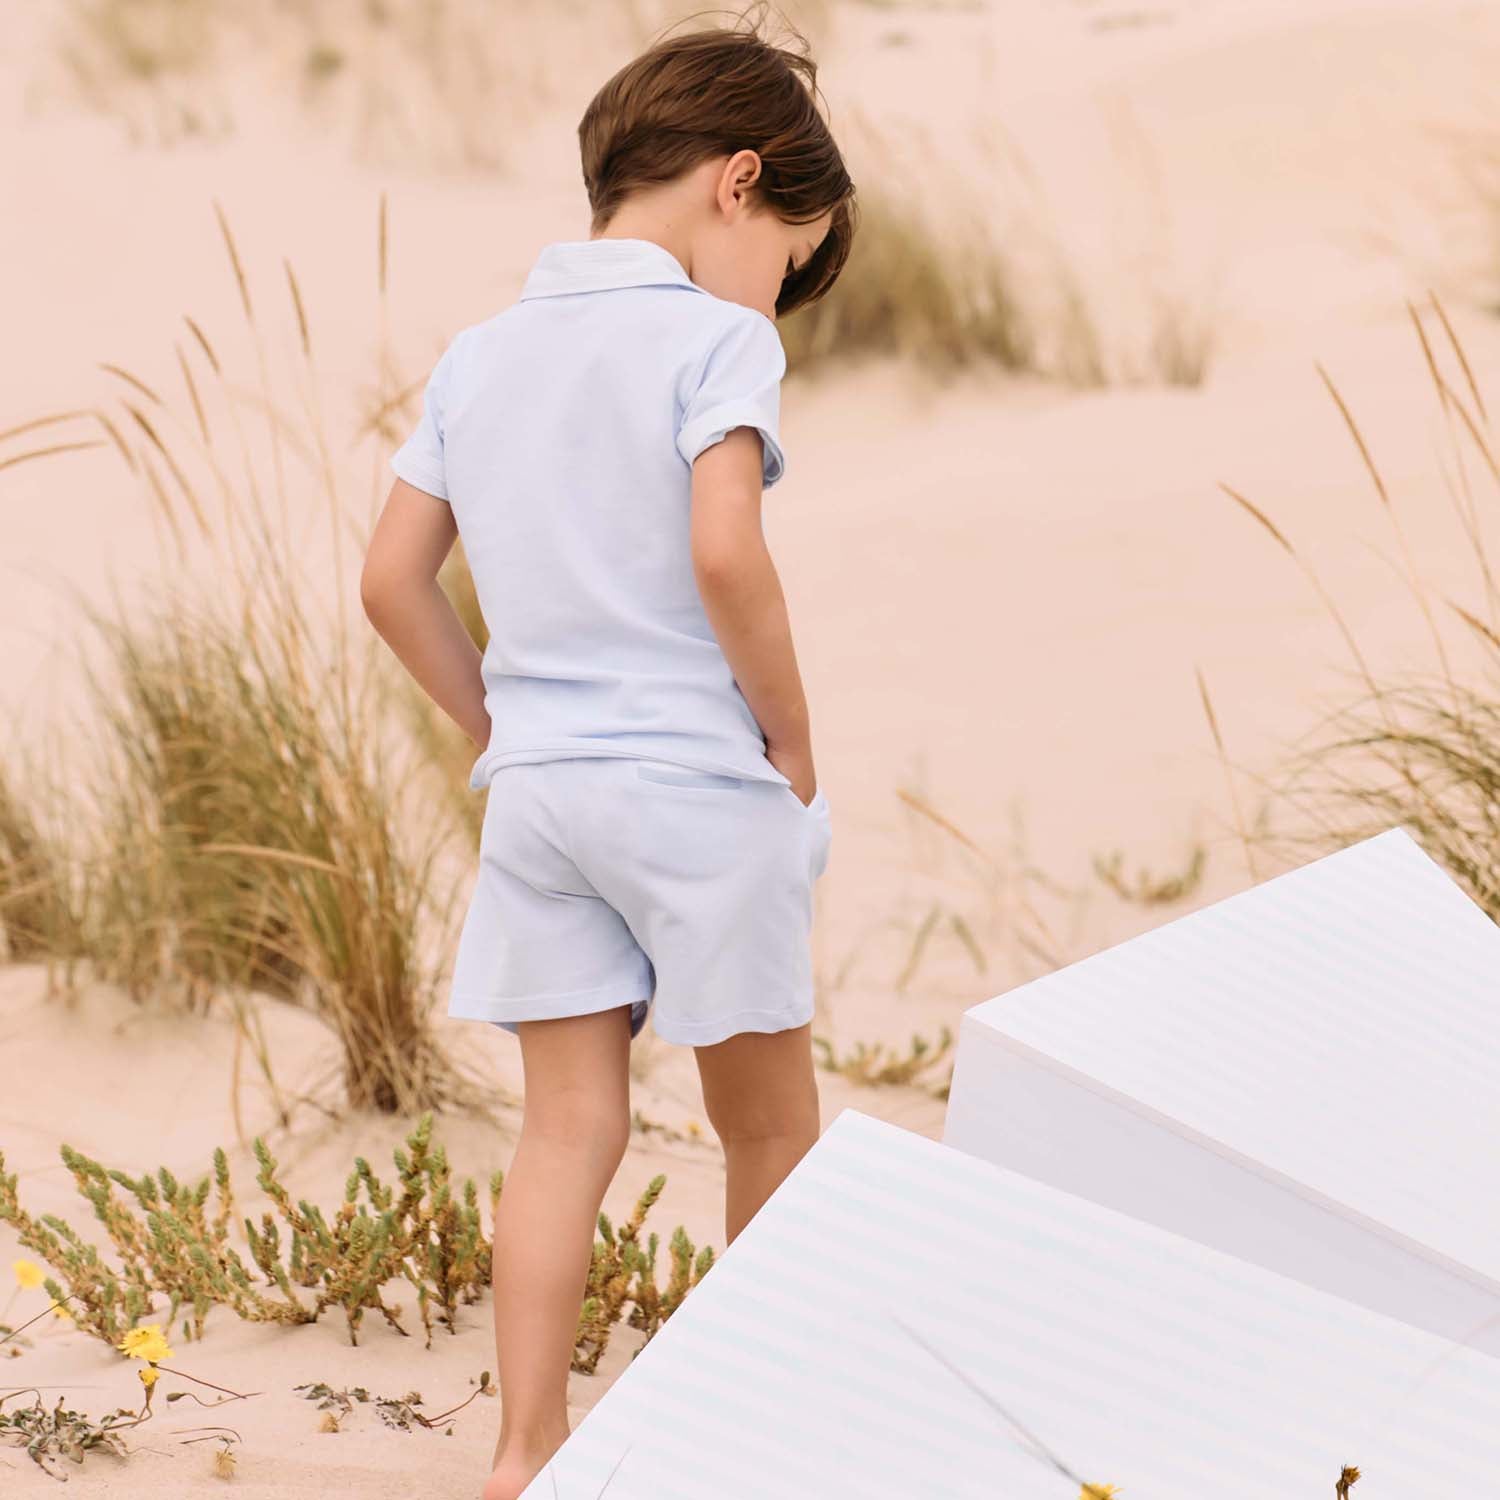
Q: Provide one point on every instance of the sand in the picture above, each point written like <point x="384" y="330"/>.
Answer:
<point x="1001" y="588"/>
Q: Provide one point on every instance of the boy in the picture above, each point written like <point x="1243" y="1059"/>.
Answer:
<point x="654" y="827"/>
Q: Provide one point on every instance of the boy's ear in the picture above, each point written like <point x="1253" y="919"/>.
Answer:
<point x="740" y="173"/>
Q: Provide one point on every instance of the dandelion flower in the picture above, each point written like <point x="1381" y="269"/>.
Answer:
<point x="146" y="1343"/>
<point x="1098" y="1491"/>
<point x="59" y="1310"/>
<point x="149" y="1375"/>
<point x="28" y="1273"/>
<point x="224" y="1462"/>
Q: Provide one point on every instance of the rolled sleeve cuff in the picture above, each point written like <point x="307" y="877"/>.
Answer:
<point x="418" y="471"/>
<point x="712" y="426"/>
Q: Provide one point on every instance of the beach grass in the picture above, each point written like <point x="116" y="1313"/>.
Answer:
<point x="250" y="842"/>
<point x="255" y="827"/>
<point x="909" y="291"/>
<point x="943" y="283"/>
<point x="1414" y="747"/>
<point x="41" y="903"/>
<point x="405" y="83"/>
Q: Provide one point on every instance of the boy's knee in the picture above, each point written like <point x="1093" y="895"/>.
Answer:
<point x="581" y="1122"/>
<point x="792" y="1121"/>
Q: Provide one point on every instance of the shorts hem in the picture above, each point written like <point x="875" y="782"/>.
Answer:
<point x="549" y="1007"/>
<point x="721" y="1028"/>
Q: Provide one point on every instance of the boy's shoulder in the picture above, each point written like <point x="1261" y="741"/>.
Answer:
<point x="733" y="332"/>
<point x="698" y="326"/>
<point x="724" y="318"/>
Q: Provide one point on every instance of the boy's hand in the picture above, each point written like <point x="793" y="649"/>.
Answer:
<point x="797" y="767"/>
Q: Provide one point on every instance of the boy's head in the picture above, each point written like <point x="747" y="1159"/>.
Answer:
<point x="711" y="142"/>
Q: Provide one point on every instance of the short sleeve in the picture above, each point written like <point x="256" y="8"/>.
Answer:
<point x="740" y="387"/>
<point x="419" y="460"/>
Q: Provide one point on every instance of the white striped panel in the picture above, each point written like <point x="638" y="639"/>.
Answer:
<point x="1339" y="1023"/>
<point x="1140" y="1358"/>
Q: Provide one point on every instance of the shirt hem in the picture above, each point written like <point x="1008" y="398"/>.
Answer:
<point x="491" y="760"/>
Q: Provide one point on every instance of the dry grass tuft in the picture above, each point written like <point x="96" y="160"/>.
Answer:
<point x="966" y="267"/>
<point x="253" y="831"/>
<point x="1418" y="749"/>
<point x="904" y="293"/>
<point x="41" y="905"/>
<point x="251" y="843"/>
<point x="402" y="82"/>
<point x="1146" y="889"/>
<point x="150" y="63"/>
<point x="993" y="282"/>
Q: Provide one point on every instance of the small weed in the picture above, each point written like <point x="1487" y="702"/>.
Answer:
<point x="338" y="1405"/>
<point x="1145" y="889"/>
<point x="868" y="1066"/>
<point x="421" y="1229"/>
<point x="621" y="1270"/>
<point x="171" y="1246"/>
<point x="426" y="1236"/>
<point x="693" y="1132"/>
<point x="51" y="1434"/>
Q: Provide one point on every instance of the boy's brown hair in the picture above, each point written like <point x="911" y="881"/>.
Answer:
<point x="710" y="93"/>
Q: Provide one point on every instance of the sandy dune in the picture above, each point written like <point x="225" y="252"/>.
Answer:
<point x="1000" y="588"/>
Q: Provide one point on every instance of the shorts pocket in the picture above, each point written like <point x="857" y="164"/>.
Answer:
<point x="668" y="775"/>
<point x="819" y="803"/>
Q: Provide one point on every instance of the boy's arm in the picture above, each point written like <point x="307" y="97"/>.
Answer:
<point x="408" y="608"/>
<point x="744" y="602"/>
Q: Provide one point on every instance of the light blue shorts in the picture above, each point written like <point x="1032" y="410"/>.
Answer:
<point x="610" y="880"/>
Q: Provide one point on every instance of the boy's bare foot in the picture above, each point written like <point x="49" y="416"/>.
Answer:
<point x="515" y="1470"/>
<point x="510" y="1477"/>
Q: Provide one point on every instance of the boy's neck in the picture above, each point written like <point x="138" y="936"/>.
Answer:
<point x="676" y="243"/>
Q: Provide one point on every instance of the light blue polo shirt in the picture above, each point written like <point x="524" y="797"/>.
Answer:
<point x="562" y="431"/>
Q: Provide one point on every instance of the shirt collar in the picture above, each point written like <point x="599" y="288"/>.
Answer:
<point x="603" y="264"/>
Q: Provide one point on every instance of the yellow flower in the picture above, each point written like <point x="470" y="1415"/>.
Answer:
<point x="149" y="1375"/>
<point x="28" y="1273"/>
<point x="60" y="1310"/>
<point x="1098" y="1491"/>
<point x="146" y="1343"/>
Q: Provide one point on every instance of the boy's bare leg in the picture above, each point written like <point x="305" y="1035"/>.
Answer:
<point x="573" y="1136"/>
<point x="761" y="1098"/>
